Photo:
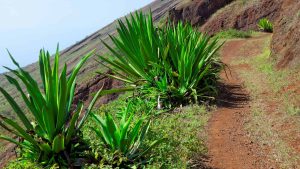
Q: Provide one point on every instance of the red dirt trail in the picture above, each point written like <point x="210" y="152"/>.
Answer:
<point x="229" y="145"/>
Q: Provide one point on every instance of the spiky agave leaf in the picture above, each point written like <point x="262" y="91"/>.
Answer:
<point x="176" y="60"/>
<point x="124" y="136"/>
<point x="49" y="107"/>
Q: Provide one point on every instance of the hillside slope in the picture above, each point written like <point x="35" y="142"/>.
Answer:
<point x="73" y="54"/>
<point x="212" y="17"/>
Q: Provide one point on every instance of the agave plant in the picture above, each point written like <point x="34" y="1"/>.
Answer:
<point x="176" y="60"/>
<point x="123" y="136"/>
<point x="138" y="45"/>
<point x="265" y="25"/>
<point x="190" y="63"/>
<point x="53" y="135"/>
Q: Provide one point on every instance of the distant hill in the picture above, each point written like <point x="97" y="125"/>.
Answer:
<point x="73" y="54"/>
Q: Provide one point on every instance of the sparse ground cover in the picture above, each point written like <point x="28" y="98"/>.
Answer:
<point x="229" y="144"/>
<point x="274" y="121"/>
<point x="260" y="120"/>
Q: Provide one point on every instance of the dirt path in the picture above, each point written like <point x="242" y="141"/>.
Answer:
<point x="229" y="145"/>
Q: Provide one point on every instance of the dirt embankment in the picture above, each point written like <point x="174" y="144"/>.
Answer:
<point x="242" y="16"/>
<point x="286" y="38"/>
<point x="213" y="16"/>
<point x="85" y="92"/>
<point x="196" y="12"/>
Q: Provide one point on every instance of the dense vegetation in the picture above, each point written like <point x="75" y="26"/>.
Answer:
<point x="167" y="67"/>
<point x="176" y="63"/>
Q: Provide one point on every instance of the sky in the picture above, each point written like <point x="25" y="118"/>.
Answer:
<point x="27" y="26"/>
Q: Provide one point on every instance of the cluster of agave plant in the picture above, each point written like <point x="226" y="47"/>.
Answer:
<point x="176" y="62"/>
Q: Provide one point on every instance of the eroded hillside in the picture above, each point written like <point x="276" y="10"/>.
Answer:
<point x="244" y="15"/>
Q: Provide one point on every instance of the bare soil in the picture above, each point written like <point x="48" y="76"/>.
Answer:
<point x="229" y="144"/>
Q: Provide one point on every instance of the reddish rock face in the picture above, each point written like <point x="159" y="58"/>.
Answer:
<point x="286" y="38"/>
<point x="242" y="16"/>
<point x="85" y="92"/>
<point x="212" y="16"/>
<point x="198" y="11"/>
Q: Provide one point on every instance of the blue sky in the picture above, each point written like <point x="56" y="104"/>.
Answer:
<point x="27" y="26"/>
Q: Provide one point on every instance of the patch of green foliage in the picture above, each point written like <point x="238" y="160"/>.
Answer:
<point x="292" y="109"/>
<point x="266" y="65"/>
<point x="176" y="61"/>
<point x="182" y="129"/>
<point x="22" y="164"/>
<point x="184" y="132"/>
<point x="233" y="33"/>
<point x="265" y="25"/>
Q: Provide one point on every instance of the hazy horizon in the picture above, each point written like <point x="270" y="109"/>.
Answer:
<point x="28" y="26"/>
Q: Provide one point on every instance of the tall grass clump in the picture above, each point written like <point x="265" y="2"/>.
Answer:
<point x="52" y="136"/>
<point x="265" y="25"/>
<point x="176" y="62"/>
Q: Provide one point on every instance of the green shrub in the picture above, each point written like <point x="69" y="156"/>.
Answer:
<point x="16" y="164"/>
<point x="183" y="129"/>
<point x="123" y="139"/>
<point x="176" y="61"/>
<point x="233" y="33"/>
<point x="265" y="25"/>
<point x="53" y="137"/>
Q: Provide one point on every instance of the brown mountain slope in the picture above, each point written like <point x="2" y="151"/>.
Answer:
<point x="244" y="15"/>
<point x="73" y="54"/>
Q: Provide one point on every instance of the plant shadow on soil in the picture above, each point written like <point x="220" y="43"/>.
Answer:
<point x="201" y="163"/>
<point x="231" y="96"/>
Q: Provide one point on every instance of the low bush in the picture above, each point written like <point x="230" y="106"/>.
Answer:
<point x="265" y="25"/>
<point x="233" y="33"/>
<point x="123" y="139"/>
<point x="177" y="62"/>
<point x="53" y="138"/>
